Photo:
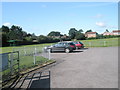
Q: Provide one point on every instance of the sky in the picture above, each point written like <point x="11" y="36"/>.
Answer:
<point x="43" y="17"/>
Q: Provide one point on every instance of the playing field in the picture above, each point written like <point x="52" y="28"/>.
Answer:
<point x="87" y="43"/>
<point x="111" y="42"/>
<point x="28" y="59"/>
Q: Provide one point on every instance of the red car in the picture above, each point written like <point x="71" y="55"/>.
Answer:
<point x="79" y="45"/>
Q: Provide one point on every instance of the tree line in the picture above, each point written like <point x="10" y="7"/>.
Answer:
<point x="17" y="35"/>
<point x="20" y="37"/>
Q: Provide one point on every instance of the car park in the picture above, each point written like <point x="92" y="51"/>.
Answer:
<point x="62" y="46"/>
<point x="78" y="44"/>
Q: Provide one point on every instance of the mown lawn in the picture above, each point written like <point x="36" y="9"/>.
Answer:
<point x="10" y="49"/>
<point x="26" y="51"/>
<point x="88" y="43"/>
<point x="111" y="42"/>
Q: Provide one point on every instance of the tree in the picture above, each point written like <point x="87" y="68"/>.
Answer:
<point x="5" y="29"/>
<point x="4" y="40"/>
<point x="24" y="34"/>
<point x="34" y="36"/>
<point x="16" y="33"/>
<point x="79" y="35"/>
<point x="54" y="33"/>
<point x="72" y="33"/>
<point x="80" y="30"/>
<point x="107" y="30"/>
<point x="42" y="39"/>
<point x="88" y="31"/>
<point x="29" y="35"/>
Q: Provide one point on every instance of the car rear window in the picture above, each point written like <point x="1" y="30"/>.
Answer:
<point x="75" y="42"/>
<point x="71" y="43"/>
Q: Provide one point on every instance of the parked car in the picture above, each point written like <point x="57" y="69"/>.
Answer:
<point x="78" y="45"/>
<point x="62" y="46"/>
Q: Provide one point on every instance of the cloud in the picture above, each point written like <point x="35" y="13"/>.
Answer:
<point x="7" y="24"/>
<point x="101" y="24"/>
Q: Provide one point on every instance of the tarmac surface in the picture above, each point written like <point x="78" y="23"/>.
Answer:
<point x="84" y="68"/>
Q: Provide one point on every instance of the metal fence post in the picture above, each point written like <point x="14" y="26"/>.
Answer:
<point x="11" y="63"/>
<point x="24" y="51"/>
<point x="49" y="54"/>
<point x="18" y="64"/>
<point x="104" y="43"/>
<point x="90" y="44"/>
<point x="35" y="50"/>
<point x="34" y="57"/>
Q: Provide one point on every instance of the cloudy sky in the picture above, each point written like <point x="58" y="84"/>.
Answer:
<point x="43" y="17"/>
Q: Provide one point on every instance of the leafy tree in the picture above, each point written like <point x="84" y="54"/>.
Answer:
<point x="79" y="35"/>
<point x="72" y="33"/>
<point x="16" y="33"/>
<point x="5" y="29"/>
<point x="29" y="39"/>
<point x="107" y="30"/>
<point x="34" y="37"/>
<point x="42" y="39"/>
<point x="29" y="35"/>
<point x="80" y="30"/>
<point x="24" y="34"/>
<point x="12" y="35"/>
<point x="54" y="33"/>
<point x="4" y="40"/>
<point x="88" y="31"/>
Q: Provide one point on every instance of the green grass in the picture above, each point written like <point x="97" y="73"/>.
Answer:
<point x="111" y="42"/>
<point x="88" y="43"/>
<point x="27" y="61"/>
<point x="10" y="49"/>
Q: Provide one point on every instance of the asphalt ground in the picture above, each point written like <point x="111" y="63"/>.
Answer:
<point x="84" y="68"/>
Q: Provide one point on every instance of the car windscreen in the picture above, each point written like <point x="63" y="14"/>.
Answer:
<point x="80" y="42"/>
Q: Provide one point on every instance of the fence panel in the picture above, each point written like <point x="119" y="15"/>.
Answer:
<point x="31" y="56"/>
<point x="10" y="65"/>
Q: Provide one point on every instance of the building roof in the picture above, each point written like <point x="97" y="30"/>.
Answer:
<point x="116" y="31"/>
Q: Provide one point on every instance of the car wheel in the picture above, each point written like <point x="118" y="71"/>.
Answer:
<point x="67" y="50"/>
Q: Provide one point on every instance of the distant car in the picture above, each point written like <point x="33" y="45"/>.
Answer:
<point x="78" y="45"/>
<point x="62" y="46"/>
